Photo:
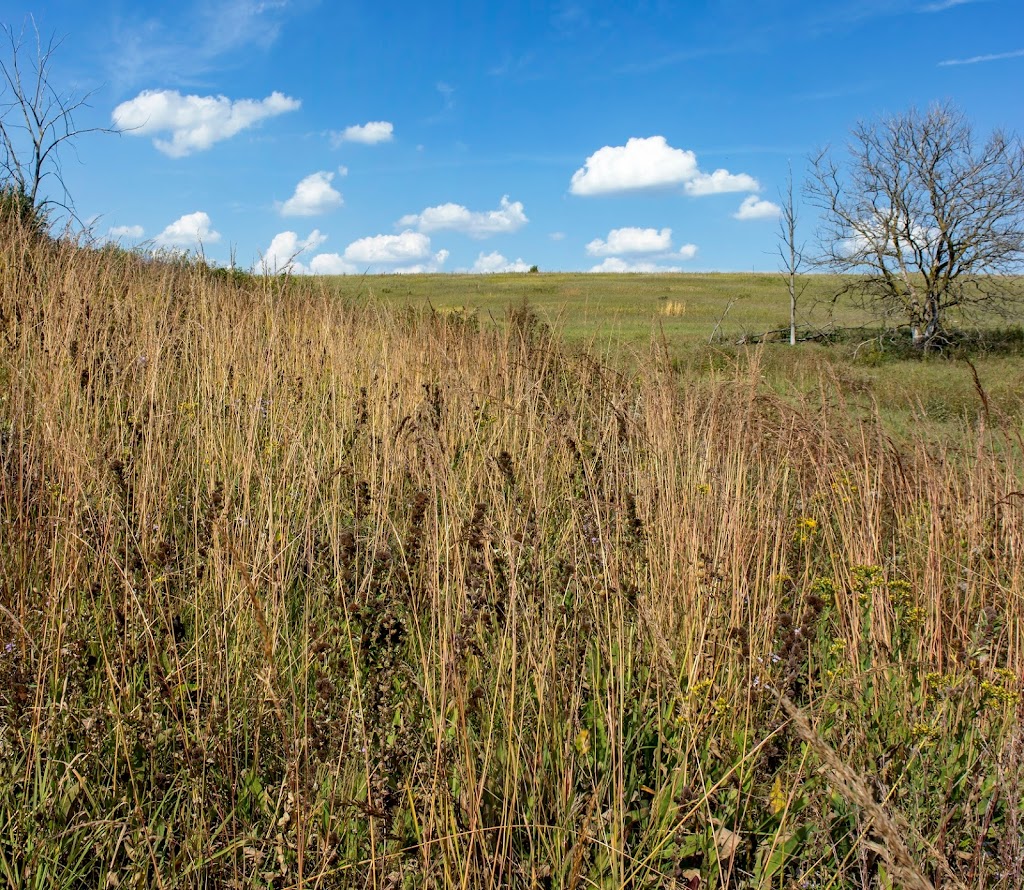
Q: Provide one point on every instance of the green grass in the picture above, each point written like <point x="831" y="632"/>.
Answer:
<point x="703" y="321"/>
<point x="610" y="309"/>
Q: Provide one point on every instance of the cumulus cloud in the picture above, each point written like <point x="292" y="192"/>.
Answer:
<point x="134" y="232"/>
<point x="664" y="260"/>
<point x="653" y="245"/>
<point x="407" y="253"/>
<point x="495" y="262"/>
<point x="631" y="241"/>
<point x="650" y="164"/>
<point x="331" y="264"/>
<point x="639" y="164"/>
<point x="882" y="235"/>
<point x="371" y="133"/>
<point x="754" y="207"/>
<point x="616" y="264"/>
<point x="194" y="123"/>
<point x="433" y="264"/>
<point x="509" y="217"/>
<point x="721" y="181"/>
<point x="190" y="230"/>
<point x="284" y="250"/>
<point x="557" y="236"/>
<point x="313" y="195"/>
<point x="408" y="247"/>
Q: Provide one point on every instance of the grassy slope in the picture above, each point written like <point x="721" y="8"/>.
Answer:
<point x="698" y="319"/>
<point x="610" y="307"/>
<point x="298" y="592"/>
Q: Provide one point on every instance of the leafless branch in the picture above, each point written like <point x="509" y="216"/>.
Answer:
<point x="925" y="220"/>
<point x="791" y="253"/>
<point x="37" y="121"/>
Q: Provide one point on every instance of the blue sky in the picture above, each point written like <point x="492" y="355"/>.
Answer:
<point x="352" y="137"/>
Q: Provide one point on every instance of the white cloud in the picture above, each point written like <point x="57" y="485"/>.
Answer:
<point x="721" y="181"/>
<point x="190" y="230"/>
<point x="331" y="264"/>
<point x="651" y="163"/>
<point x="991" y="57"/>
<point x="195" y="123"/>
<point x="495" y="262"/>
<point x="284" y="250"/>
<point x="389" y="249"/>
<point x="652" y="262"/>
<point x="434" y="264"/>
<point x="943" y="5"/>
<point x="371" y="133"/>
<point x="632" y="241"/>
<point x="509" y="217"/>
<point x="754" y="207"/>
<point x="135" y="232"/>
<point x="615" y="264"/>
<point x="313" y="195"/>
<point x="407" y="253"/>
<point x="869" y="238"/>
<point x="654" y="245"/>
<point x="557" y="236"/>
<point x="447" y="92"/>
<point x="190" y="45"/>
<point x="639" y="164"/>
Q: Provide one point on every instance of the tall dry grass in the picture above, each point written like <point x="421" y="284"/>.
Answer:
<point x="295" y="593"/>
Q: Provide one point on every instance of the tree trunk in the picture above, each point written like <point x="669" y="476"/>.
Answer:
<point x="924" y="330"/>
<point x="792" y="302"/>
<point x="934" y="328"/>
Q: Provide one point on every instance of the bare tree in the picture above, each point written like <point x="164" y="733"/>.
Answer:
<point x="791" y="253"/>
<point x="927" y="220"/>
<point x="37" y="121"/>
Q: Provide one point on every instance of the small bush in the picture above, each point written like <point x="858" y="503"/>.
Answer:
<point x="17" y="211"/>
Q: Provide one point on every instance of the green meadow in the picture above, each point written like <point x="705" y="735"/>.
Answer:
<point x="532" y="581"/>
<point x="712" y="323"/>
<point x="616" y="310"/>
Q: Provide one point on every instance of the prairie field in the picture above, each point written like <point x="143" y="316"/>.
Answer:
<point x="414" y="583"/>
<point x="703" y="324"/>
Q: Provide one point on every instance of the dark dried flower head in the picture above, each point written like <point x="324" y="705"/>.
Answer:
<point x="506" y="466"/>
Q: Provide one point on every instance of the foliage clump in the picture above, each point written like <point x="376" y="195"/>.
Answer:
<point x="19" y="216"/>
